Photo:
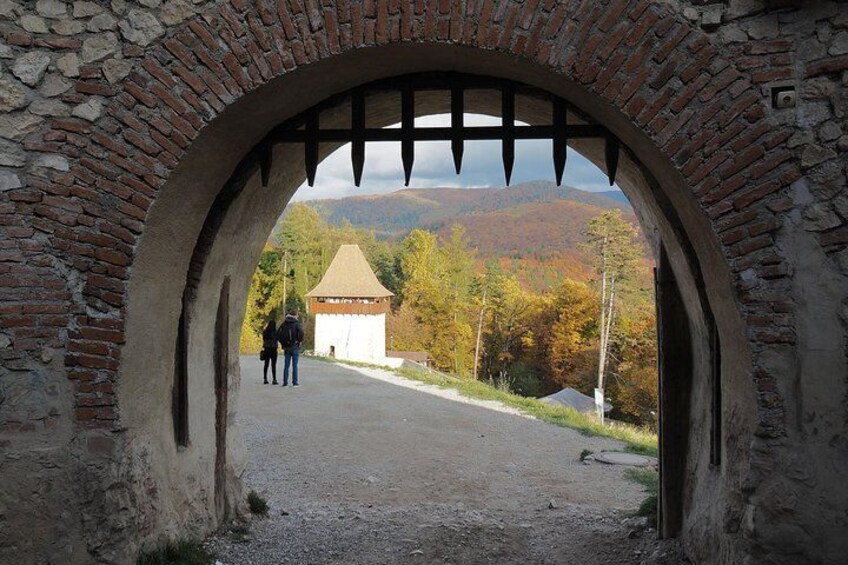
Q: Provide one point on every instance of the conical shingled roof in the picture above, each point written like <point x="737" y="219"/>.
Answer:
<point x="349" y="276"/>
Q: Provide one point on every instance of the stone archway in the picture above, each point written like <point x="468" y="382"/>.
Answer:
<point x="117" y="230"/>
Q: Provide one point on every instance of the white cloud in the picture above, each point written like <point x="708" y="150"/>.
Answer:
<point x="481" y="166"/>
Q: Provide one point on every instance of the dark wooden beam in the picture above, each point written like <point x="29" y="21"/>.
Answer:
<point x="357" y="137"/>
<point x="311" y="145"/>
<point x="469" y="133"/>
<point x="457" y="126"/>
<point x="675" y="360"/>
<point x="560" y="137"/>
<point x="407" y="144"/>
<point x="508" y="130"/>
<point x="611" y="151"/>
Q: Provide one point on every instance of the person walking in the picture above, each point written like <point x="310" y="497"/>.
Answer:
<point x="269" y="350"/>
<point x="290" y="336"/>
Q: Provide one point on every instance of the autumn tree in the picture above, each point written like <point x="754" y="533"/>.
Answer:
<point x="610" y="240"/>
<point x="437" y="284"/>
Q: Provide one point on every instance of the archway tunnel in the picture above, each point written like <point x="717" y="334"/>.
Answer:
<point x="132" y="212"/>
<point x="241" y="214"/>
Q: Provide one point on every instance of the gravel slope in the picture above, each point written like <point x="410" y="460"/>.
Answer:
<point x="358" y="470"/>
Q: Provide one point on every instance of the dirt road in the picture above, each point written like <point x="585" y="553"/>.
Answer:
<point x="358" y="470"/>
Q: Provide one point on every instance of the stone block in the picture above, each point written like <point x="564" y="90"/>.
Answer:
<point x="140" y="27"/>
<point x="51" y="8"/>
<point x="99" y="47"/>
<point x="103" y="22"/>
<point x="85" y="9"/>
<point x="30" y="67"/>
<point x="69" y="65"/>
<point x="13" y="95"/>
<point x="33" y="23"/>
<point x="9" y="180"/>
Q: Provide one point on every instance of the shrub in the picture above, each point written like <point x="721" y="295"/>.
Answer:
<point x="257" y="504"/>
<point x="180" y="552"/>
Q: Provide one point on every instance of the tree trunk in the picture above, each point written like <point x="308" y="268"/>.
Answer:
<point x="479" y="332"/>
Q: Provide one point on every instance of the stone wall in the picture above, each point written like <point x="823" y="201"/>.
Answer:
<point x="103" y="105"/>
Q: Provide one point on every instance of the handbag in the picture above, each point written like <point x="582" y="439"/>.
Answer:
<point x="263" y="355"/>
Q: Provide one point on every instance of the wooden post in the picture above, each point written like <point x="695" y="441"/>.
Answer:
<point x="221" y="362"/>
<point x="675" y="361"/>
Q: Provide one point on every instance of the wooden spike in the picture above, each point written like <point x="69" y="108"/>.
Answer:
<point x="508" y="121"/>
<point x="265" y="155"/>
<point x="612" y="150"/>
<point x="407" y="144"/>
<point x="357" y="147"/>
<point x="311" y="145"/>
<point x="457" y="123"/>
<point x="560" y="138"/>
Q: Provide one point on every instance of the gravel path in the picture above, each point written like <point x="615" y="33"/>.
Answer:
<point x="358" y="470"/>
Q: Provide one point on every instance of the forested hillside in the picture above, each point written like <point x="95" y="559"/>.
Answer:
<point x="533" y="229"/>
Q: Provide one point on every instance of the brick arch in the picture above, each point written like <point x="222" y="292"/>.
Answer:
<point x="666" y="77"/>
<point x="656" y="75"/>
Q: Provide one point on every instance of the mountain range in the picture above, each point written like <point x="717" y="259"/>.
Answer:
<point x="535" y="217"/>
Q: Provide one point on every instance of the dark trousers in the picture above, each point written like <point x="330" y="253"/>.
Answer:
<point x="270" y="357"/>
<point x="291" y="357"/>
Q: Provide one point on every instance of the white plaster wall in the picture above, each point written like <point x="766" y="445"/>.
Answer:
<point x="356" y="337"/>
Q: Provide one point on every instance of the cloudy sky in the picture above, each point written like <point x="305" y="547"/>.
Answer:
<point x="481" y="166"/>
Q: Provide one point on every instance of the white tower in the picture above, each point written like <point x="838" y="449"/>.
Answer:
<point x="350" y="308"/>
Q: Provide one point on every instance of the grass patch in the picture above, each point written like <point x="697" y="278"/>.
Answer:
<point x="257" y="504"/>
<point x="585" y="453"/>
<point x="649" y="479"/>
<point x="239" y="532"/>
<point x="177" y="553"/>
<point x="637" y="440"/>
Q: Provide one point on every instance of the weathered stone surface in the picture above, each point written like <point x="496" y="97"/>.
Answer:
<point x="815" y="154"/>
<point x="12" y="154"/>
<point x="116" y="69"/>
<point x="30" y="67"/>
<point x="8" y="181"/>
<point x="49" y="107"/>
<point x="85" y="9"/>
<point x="732" y="34"/>
<point x="99" y="47"/>
<point x="13" y="95"/>
<point x="830" y="131"/>
<point x="140" y="27"/>
<point x="68" y="27"/>
<point x="711" y="17"/>
<point x="175" y="11"/>
<point x="33" y="23"/>
<point x="820" y="217"/>
<point x="54" y="84"/>
<point x="10" y="10"/>
<point x="150" y="3"/>
<point x="51" y="8"/>
<point x="839" y="46"/>
<point x="19" y="125"/>
<point x="6" y="52"/>
<point x="103" y="22"/>
<point x="89" y="110"/>
<point x="738" y="8"/>
<point x="68" y="65"/>
<point x="813" y="113"/>
<point x="52" y="161"/>
<point x="763" y="28"/>
<point x="119" y="6"/>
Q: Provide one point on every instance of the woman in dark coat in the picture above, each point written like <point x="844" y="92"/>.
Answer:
<point x="269" y="350"/>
